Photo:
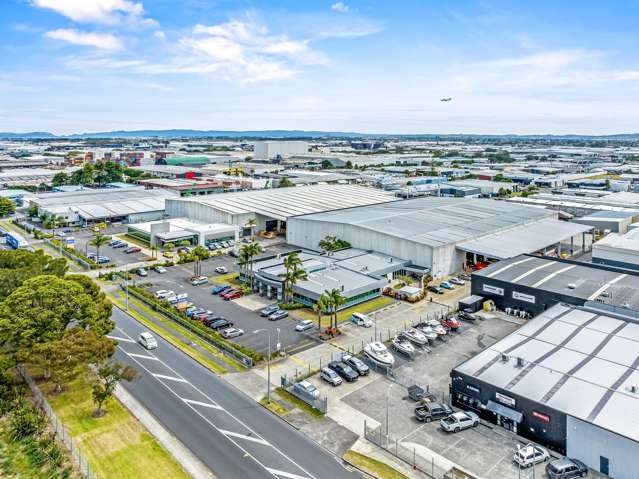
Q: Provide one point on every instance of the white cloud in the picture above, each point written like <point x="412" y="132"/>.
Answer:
<point x="103" y="41"/>
<point x="340" y="7"/>
<point x="109" y="12"/>
<point x="159" y="34"/>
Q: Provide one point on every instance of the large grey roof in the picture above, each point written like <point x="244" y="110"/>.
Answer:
<point x="436" y="221"/>
<point x="282" y="203"/>
<point x="576" y="361"/>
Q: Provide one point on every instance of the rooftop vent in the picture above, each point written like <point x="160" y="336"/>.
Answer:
<point x="634" y="388"/>
<point x="504" y="358"/>
<point x="520" y="362"/>
<point x="571" y="285"/>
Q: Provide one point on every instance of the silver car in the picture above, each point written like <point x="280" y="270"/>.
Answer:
<point x="330" y="377"/>
<point x="459" y="420"/>
<point x="308" y="388"/>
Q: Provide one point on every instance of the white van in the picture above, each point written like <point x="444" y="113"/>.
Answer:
<point x="147" y="341"/>
<point x="361" y="320"/>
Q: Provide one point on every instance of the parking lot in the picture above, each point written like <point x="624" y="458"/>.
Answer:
<point x="247" y="318"/>
<point x="117" y="255"/>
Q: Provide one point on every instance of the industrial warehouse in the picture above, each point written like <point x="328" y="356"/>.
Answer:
<point x="444" y="234"/>
<point x="535" y="283"/>
<point x="567" y="379"/>
<point x="273" y="207"/>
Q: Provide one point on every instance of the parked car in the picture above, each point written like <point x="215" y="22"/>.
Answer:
<point x="467" y="315"/>
<point x="147" y="340"/>
<point x="121" y="244"/>
<point x="432" y="410"/>
<point x="446" y="285"/>
<point x="307" y="388"/>
<point x="361" y="320"/>
<point x="211" y="319"/>
<point x="357" y="364"/>
<point x="159" y="269"/>
<point x="458" y="421"/>
<point x="221" y="324"/>
<point x="233" y="294"/>
<point x="178" y="298"/>
<point x="530" y="455"/>
<point x="304" y="325"/>
<point x="235" y="253"/>
<point x="457" y="281"/>
<point x="198" y="280"/>
<point x="330" y="377"/>
<point x="344" y="370"/>
<point x="435" y="289"/>
<point x="132" y="249"/>
<point x="183" y="250"/>
<point x="566" y="468"/>
<point x="114" y="242"/>
<point x="277" y="315"/>
<point x="270" y="309"/>
<point x="190" y="312"/>
<point x="221" y="270"/>
<point x="221" y="289"/>
<point x="465" y="277"/>
<point x="232" y="333"/>
<point x="102" y="259"/>
<point x="164" y="293"/>
<point x="142" y="272"/>
<point x="451" y="322"/>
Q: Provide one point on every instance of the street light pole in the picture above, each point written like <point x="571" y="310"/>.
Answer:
<point x="268" y="364"/>
<point x="387" y="394"/>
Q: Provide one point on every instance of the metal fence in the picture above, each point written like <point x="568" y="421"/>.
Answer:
<point x="321" y="404"/>
<point x="409" y="455"/>
<point x="182" y="321"/>
<point x="72" y="257"/>
<point x="61" y="432"/>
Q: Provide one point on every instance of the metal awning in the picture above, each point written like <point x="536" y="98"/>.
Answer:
<point x="504" y="411"/>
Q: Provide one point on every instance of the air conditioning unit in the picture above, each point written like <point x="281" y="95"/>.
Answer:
<point x="571" y="285"/>
<point x="520" y="362"/>
<point x="504" y="358"/>
<point x="634" y="388"/>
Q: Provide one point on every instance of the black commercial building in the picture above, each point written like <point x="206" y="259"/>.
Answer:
<point x="535" y="283"/>
<point x="565" y="380"/>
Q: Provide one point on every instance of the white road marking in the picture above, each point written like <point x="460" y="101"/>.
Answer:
<point x="200" y="403"/>
<point x="246" y="453"/>
<point x="170" y="378"/>
<point x="143" y="356"/>
<point x="119" y="339"/>
<point x="285" y="474"/>
<point x="244" y="436"/>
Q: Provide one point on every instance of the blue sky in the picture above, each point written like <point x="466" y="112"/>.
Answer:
<point x="370" y="66"/>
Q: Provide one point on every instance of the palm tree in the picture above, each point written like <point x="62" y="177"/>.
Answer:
<point x="252" y="223"/>
<point x="292" y="277"/>
<point x="320" y="306"/>
<point x="243" y="262"/>
<point x="154" y="251"/>
<point x="337" y="300"/>
<point x="169" y="246"/>
<point x="291" y="264"/>
<point x="253" y="249"/>
<point x="199" y="253"/>
<point x="98" y="241"/>
<point x="328" y="243"/>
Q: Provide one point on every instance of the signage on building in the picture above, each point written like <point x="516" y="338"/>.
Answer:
<point x="493" y="289"/>
<point x="541" y="416"/>
<point x="524" y="297"/>
<point x="507" y="400"/>
<point x="472" y="388"/>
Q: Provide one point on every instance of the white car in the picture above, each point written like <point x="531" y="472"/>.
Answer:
<point x="159" y="269"/>
<point x="147" y="340"/>
<point x="221" y="270"/>
<point x="308" y="388"/>
<point x="164" y="294"/>
<point x="304" y="325"/>
<point x="458" y="421"/>
<point x="330" y="376"/>
<point x="232" y="333"/>
<point x="457" y="281"/>
<point x="530" y="455"/>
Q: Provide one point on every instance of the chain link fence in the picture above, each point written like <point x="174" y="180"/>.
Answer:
<point x="61" y="432"/>
<point x="321" y="404"/>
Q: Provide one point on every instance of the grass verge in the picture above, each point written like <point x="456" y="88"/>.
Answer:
<point x="372" y="466"/>
<point x="274" y="406"/>
<point x="175" y="341"/>
<point x="345" y="314"/>
<point x="288" y="397"/>
<point x="117" y="445"/>
<point x="229" y="278"/>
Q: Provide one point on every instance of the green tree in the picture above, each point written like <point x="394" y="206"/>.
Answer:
<point x="198" y="254"/>
<point x="293" y="274"/>
<point x="7" y="207"/>
<point x="102" y="304"/>
<point x="336" y="300"/>
<point x="253" y="250"/>
<point x="320" y="307"/>
<point x="20" y="265"/>
<point x="326" y="165"/>
<point x="328" y="243"/>
<point x="243" y="261"/>
<point x="169" y="247"/>
<point x="98" y="241"/>
<point x="32" y="211"/>
<point x="107" y="377"/>
<point x="285" y="183"/>
<point x="60" y="178"/>
<point x="349" y="165"/>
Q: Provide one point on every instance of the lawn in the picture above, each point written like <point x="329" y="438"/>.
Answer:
<point x="228" y="278"/>
<point x="117" y="445"/>
<point x="372" y="466"/>
<point x="345" y="314"/>
<point x="297" y="402"/>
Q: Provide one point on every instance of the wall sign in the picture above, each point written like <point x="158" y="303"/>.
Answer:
<point x="524" y="297"/>
<point x="472" y="388"/>
<point x="507" y="400"/>
<point x="541" y="416"/>
<point x="493" y="289"/>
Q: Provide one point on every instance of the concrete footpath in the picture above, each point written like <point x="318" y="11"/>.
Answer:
<point x="191" y="464"/>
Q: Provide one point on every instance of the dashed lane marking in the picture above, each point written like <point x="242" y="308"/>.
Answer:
<point x="143" y="356"/>
<point x="245" y="437"/>
<point x="203" y="404"/>
<point x="170" y="378"/>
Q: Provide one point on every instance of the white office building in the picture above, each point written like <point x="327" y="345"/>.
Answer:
<point x="270" y="150"/>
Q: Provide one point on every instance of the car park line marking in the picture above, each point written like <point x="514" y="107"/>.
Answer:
<point x="244" y="436"/>
<point x="203" y="404"/>
<point x="119" y="339"/>
<point x="170" y="378"/>
<point x="143" y="356"/>
<point x="285" y="474"/>
<point x="310" y="476"/>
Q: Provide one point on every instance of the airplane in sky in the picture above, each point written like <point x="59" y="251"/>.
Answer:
<point x="446" y="99"/>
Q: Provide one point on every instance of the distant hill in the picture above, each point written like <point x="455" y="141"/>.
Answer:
<point x="290" y="134"/>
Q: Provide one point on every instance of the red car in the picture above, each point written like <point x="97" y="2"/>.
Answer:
<point x="233" y="294"/>
<point x="132" y="249"/>
<point x="451" y="322"/>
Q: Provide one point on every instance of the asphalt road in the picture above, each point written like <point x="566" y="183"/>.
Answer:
<point x="177" y="279"/>
<point x="230" y="433"/>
